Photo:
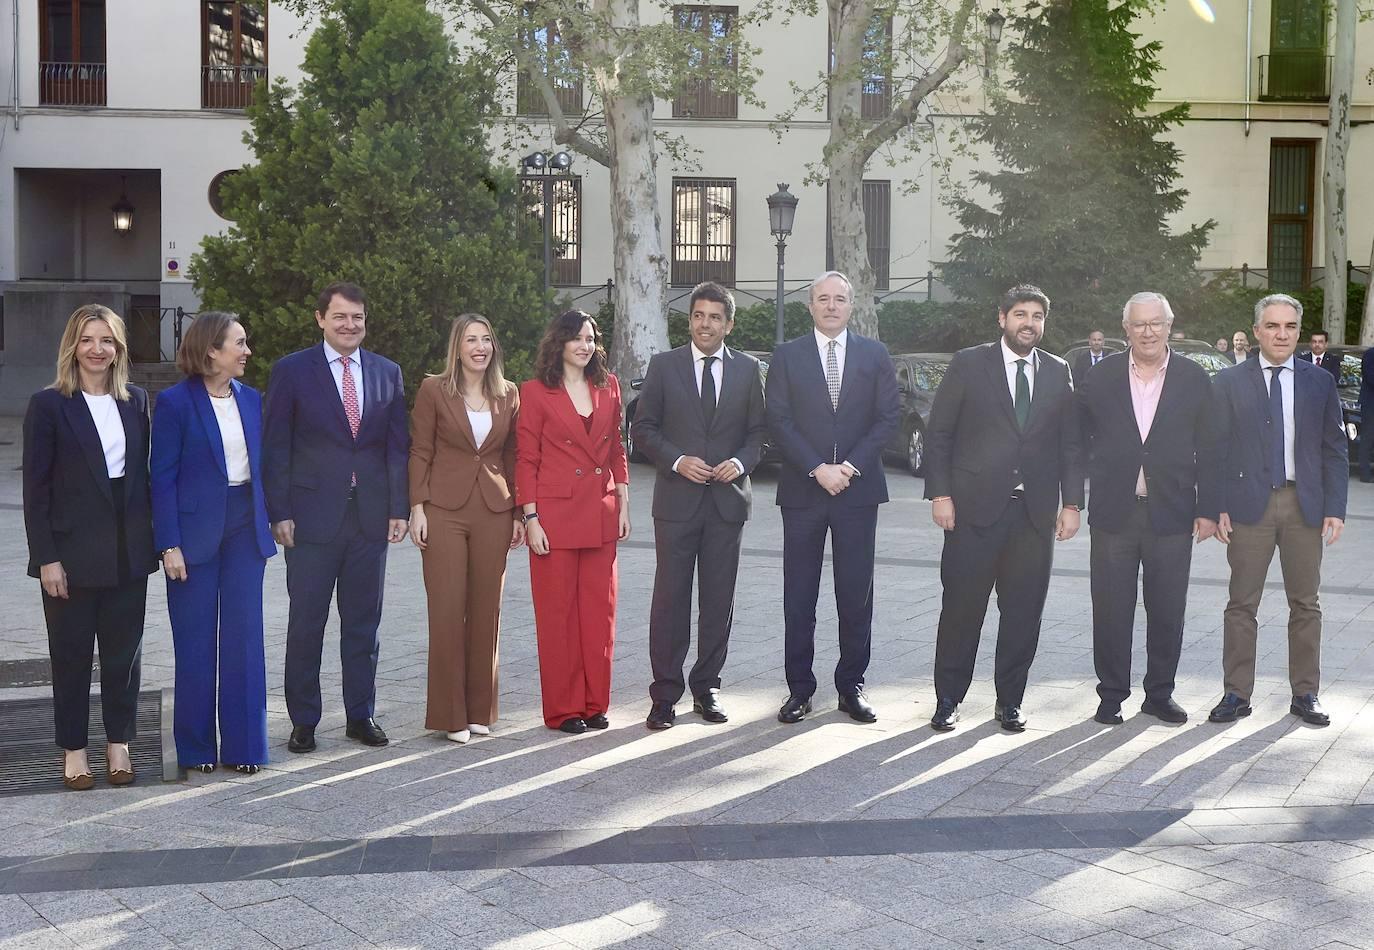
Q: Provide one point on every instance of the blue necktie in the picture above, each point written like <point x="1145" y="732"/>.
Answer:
<point x="1276" y="461"/>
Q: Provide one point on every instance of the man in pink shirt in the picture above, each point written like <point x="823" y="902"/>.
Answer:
<point x="1143" y="421"/>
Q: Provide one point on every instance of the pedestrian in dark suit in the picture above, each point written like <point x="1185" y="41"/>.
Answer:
<point x="90" y="533"/>
<point x="832" y="405"/>
<point x="1319" y="355"/>
<point x="1366" y="413"/>
<point x="335" y="448"/>
<point x="1003" y="447"/>
<point x="1144" y="416"/>
<point x="700" y="419"/>
<point x="572" y="482"/>
<point x="1283" y="474"/>
<point x="210" y="523"/>
<point x="1090" y="357"/>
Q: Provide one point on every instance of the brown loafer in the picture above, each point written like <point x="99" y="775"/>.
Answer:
<point x="79" y="783"/>
<point x="120" y="777"/>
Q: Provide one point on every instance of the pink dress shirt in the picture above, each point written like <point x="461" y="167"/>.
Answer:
<point x="1145" y="400"/>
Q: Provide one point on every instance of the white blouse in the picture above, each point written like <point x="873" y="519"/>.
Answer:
<point x="231" y="434"/>
<point x="481" y="425"/>
<point x="105" y="412"/>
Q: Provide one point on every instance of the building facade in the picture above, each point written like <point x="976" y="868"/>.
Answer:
<point x="135" y="108"/>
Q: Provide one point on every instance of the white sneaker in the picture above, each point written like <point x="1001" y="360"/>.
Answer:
<point x="477" y="729"/>
<point x="461" y="736"/>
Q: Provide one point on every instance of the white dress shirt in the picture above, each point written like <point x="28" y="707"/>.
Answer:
<point x="1290" y="467"/>
<point x="231" y="434"/>
<point x="481" y="425"/>
<point x="717" y="374"/>
<point x="1009" y="358"/>
<point x="355" y="367"/>
<point x="105" y="412"/>
<point x="841" y="344"/>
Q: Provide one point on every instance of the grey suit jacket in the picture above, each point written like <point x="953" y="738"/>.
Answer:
<point x="669" y="423"/>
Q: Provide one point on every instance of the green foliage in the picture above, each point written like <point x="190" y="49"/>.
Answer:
<point x="1086" y="184"/>
<point x="375" y="170"/>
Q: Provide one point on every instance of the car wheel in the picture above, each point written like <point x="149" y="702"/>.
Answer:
<point x="916" y="451"/>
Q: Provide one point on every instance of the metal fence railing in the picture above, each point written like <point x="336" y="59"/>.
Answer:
<point x="71" y="84"/>
<point x="229" y="87"/>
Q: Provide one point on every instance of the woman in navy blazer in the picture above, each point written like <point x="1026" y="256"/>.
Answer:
<point x="90" y="535"/>
<point x="210" y="523"/>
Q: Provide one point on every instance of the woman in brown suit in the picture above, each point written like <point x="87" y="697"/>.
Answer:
<point x="463" y="519"/>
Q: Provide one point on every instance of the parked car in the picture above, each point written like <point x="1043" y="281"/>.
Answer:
<point x="918" y="376"/>
<point x="1348" y="387"/>
<point x="1200" y="352"/>
<point x="770" y="454"/>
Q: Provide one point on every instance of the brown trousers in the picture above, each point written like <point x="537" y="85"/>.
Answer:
<point x="465" y="571"/>
<point x="1300" y="556"/>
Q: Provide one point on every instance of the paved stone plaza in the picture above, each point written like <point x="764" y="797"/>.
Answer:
<point x="750" y="834"/>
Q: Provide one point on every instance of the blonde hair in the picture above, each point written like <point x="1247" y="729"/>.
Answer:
<point x="68" y="381"/>
<point x="494" y="383"/>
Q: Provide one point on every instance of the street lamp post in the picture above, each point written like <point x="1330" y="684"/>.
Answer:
<point x="782" y="210"/>
<point x="544" y="164"/>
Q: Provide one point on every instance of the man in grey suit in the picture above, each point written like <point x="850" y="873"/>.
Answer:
<point x="700" y="419"/>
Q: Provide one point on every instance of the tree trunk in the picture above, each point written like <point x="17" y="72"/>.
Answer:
<point x="846" y="157"/>
<point x="1367" y="321"/>
<point x="1333" y="174"/>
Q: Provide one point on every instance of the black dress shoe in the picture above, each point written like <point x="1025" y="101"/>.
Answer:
<point x="795" y="709"/>
<point x="661" y="716"/>
<point x="302" y="739"/>
<point x="1366" y="479"/>
<point x="366" y="731"/>
<point x="1011" y="718"/>
<point x="946" y="715"/>
<point x="599" y="721"/>
<point x="574" y="726"/>
<point x="1310" y="709"/>
<point x="858" y="707"/>
<point x="1109" y="714"/>
<point x="1231" y="708"/>
<point x="708" y="707"/>
<point x="1165" y="709"/>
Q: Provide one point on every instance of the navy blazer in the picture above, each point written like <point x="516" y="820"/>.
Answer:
<point x="809" y="432"/>
<point x="1242" y="434"/>
<point x="190" y="481"/>
<point x="1366" y="384"/>
<point x="68" y="505"/>
<point x="308" y="453"/>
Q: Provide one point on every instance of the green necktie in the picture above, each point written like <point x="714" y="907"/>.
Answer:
<point x="1022" y="395"/>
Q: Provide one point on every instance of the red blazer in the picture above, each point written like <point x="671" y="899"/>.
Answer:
<point x="570" y="474"/>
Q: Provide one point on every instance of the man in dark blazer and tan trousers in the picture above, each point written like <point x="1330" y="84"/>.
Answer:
<point x="1284" y="474"/>
<point x="1003" y="449"/>
<point x="700" y="420"/>
<point x="1144" y="417"/>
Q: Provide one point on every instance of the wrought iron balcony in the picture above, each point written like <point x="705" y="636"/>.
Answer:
<point x="1295" y="76"/>
<point x="229" y="87"/>
<point x="71" y="84"/>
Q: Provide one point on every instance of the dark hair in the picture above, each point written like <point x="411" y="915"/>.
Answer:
<point x="548" y="362"/>
<point x="1024" y="293"/>
<point x="345" y="289"/>
<point x="714" y="292"/>
<point x="207" y="332"/>
<point x="1321" y="333"/>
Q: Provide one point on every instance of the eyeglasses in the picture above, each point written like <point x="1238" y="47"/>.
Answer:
<point x="1154" y="326"/>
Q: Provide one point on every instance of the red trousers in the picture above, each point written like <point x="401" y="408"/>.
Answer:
<point x="574" y="616"/>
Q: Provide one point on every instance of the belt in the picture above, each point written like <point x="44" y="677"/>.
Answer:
<point x="1141" y="499"/>
<point x="1287" y="484"/>
<point x="1017" y="493"/>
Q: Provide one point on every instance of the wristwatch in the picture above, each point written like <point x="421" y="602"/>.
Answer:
<point x="530" y="516"/>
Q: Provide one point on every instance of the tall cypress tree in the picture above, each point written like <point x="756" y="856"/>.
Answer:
<point x="376" y="170"/>
<point x="1086" y="186"/>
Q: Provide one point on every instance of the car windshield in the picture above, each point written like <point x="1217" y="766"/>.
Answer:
<point x="1351" y="370"/>
<point x="1210" y="360"/>
<point x="934" y="373"/>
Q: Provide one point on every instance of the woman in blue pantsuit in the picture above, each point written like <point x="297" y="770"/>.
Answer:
<point x="210" y="523"/>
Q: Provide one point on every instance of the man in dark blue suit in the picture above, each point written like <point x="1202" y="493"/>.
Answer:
<point x="1283" y="475"/>
<point x="1366" y="412"/>
<point x="832" y="405"/>
<point x="335" y="450"/>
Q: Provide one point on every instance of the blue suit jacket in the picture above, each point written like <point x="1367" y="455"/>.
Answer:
<point x="1243" y="435"/>
<point x="308" y="454"/>
<point x="190" y="482"/>
<point x="809" y="432"/>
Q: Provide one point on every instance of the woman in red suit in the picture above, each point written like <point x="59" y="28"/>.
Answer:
<point x="572" y="484"/>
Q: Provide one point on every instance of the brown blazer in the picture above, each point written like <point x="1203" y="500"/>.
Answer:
<point x="445" y="462"/>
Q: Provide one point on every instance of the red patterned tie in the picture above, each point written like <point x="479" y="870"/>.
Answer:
<point x="350" y="401"/>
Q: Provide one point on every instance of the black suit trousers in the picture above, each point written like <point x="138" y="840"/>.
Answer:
<point x="1116" y="559"/>
<point x="1010" y="556"/>
<point x="853" y="531"/>
<point x="706" y="546"/>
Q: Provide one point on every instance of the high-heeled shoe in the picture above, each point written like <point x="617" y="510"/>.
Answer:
<point x="459" y="736"/>
<point x="76" y="781"/>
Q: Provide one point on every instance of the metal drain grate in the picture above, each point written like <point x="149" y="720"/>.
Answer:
<point x="32" y="762"/>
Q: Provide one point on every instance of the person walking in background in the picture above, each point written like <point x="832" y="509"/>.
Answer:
<point x="463" y="520"/>
<point x="832" y="405"/>
<point x="335" y="448"/>
<point x="1144" y="416"/>
<point x="90" y="534"/>
<point x="1284" y="475"/>
<point x="1240" y="347"/>
<point x="572" y="484"/>
<point x="1223" y="347"/>
<point x="1090" y="357"/>
<point x="1004" y="457"/>
<point x="210" y="523"/>
<point x="700" y="419"/>
<point x="1318" y="355"/>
